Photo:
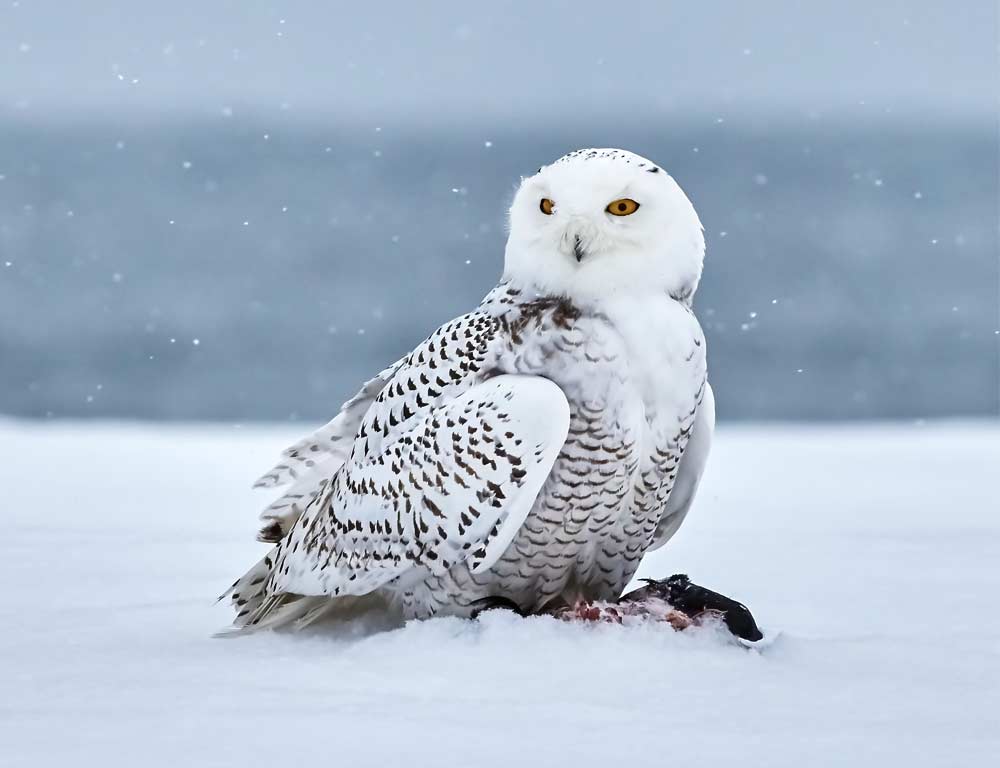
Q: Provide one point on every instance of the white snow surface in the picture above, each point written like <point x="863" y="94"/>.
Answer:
<point x="872" y="549"/>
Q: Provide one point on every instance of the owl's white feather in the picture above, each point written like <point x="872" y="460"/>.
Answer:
<point x="533" y="449"/>
<point x="689" y="474"/>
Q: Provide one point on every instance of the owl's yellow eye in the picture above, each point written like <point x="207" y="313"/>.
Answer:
<point x="546" y="206"/>
<point x="623" y="207"/>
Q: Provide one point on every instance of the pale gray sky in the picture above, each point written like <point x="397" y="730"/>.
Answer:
<point x="502" y="60"/>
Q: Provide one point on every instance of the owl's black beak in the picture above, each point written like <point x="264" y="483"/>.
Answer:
<point x="578" y="249"/>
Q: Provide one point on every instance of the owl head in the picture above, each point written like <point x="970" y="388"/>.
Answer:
<point x="601" y="223"/>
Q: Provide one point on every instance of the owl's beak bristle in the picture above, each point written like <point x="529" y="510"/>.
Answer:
<point x="578" y="249"/>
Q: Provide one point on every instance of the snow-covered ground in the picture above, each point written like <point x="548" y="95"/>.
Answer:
<point x="873" y="549"/>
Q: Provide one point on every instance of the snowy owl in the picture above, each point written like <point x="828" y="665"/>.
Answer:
<point x="528" y="453"/>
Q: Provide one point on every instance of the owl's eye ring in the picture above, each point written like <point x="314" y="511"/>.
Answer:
<point x="624" y="207"/>
<point x="546" y="206"/>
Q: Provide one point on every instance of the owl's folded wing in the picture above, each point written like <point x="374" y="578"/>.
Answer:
<point x="455" y="487"/>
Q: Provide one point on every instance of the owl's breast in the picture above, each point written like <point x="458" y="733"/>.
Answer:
<point x="632" y="384"/>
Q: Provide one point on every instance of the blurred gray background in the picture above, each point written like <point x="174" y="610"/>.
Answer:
<point x="240" y="210"/>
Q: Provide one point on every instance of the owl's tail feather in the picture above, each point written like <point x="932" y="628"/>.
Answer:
<point x="248" y="594"/>
<point x="257" y="609"/>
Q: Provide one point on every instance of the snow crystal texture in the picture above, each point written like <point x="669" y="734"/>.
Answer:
<point x="872" y="550"/>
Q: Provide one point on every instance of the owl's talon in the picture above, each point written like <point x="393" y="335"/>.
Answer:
<point x="495" y="602"/>
<point x="694" y="601"/>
